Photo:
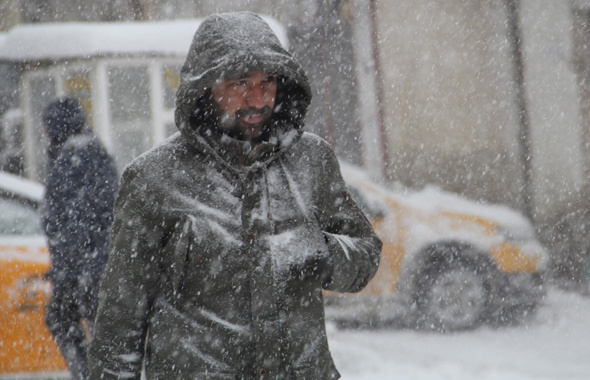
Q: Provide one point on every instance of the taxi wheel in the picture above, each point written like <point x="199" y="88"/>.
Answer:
<point x="453" y="296"/>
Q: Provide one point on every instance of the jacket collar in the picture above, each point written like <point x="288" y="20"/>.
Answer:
<point x="243" y="155"/>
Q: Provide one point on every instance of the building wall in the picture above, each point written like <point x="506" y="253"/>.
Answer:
<point x="581" y="62"/>
<point x="553" y="101"/>
<point x="286" y="11"/>
<point x="450" y="99"/>
<point x="450" y="110"/>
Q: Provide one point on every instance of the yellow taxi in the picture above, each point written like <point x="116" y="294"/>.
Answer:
<point x="447" y="263"/>
<point x="26" y="346"/>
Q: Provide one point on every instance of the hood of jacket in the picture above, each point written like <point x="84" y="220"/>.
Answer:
<point x="227" y="45"/>
<point x="63" y="118"/>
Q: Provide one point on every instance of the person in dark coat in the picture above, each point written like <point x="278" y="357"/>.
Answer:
<point x="226" y="233"/>
<point x="79" y="196"/>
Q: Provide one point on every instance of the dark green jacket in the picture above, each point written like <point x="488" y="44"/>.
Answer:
<point x="219" y="251"/>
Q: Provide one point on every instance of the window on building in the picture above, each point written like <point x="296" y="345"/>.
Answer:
<point x="77" y="83"/>
<point x="130" y="111"/>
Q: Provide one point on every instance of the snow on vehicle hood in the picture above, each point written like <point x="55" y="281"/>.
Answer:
<point x="432" y="199"/>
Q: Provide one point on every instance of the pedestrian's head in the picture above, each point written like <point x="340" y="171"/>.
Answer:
<point x="239" y="80"/>
<point x="63" y="118"/>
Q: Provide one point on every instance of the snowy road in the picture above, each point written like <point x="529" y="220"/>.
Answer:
<point x="554" y="345"/>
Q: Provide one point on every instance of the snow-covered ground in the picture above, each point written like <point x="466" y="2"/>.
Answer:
<point x="553" y="345"/>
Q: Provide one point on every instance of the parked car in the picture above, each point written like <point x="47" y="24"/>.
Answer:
<point x="447" y="263"/>
<point x="26" y="346"/>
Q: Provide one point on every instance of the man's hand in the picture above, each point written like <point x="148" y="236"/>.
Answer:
<point x="312" y="267"/>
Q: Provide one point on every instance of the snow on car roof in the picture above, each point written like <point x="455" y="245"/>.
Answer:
<point x="54" y="41"/>
<point x="21" y="186"/>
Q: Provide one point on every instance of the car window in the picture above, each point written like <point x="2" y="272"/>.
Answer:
<point x="18" y="218"/>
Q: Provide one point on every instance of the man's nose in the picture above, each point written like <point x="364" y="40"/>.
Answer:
<point x="256" y="97"/>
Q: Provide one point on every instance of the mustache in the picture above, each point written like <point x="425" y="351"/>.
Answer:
<point x="266" y="110"/>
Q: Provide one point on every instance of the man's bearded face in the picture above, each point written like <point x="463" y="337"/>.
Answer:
<point x="246" y="102"/>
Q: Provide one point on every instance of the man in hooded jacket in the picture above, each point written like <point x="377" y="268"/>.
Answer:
<point x="226" y="233"/>
<point x="79" y="198"/>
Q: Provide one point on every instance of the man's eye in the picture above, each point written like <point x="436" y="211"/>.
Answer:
<point x="239" y="83"/>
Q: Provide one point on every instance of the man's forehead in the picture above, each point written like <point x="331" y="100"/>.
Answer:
<point x="246" y="75"/>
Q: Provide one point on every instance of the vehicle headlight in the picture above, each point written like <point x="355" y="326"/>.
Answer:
<point x="527" y="244"/>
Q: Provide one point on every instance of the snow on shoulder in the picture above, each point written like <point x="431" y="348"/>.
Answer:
<point x="57" y="41"/>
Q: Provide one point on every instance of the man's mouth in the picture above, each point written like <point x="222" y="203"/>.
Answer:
<point x="254" y="116"/>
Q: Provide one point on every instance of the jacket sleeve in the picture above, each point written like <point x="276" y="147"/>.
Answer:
<point x="354" y="248"/>
<point x="128" y="285"/>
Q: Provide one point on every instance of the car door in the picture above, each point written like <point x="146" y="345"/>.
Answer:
<point x="25" y="343"/>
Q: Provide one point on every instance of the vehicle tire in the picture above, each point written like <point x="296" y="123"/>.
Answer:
<point x="453" y="296"/>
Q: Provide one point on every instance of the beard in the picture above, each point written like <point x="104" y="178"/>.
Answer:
<point x="237" y="125"/>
